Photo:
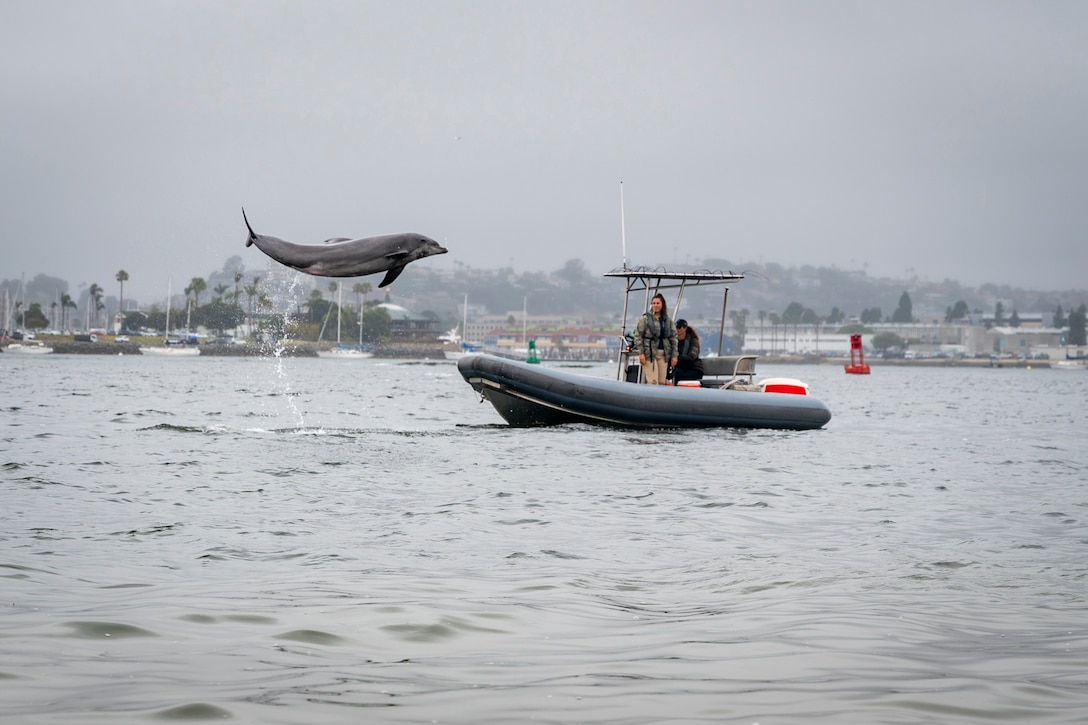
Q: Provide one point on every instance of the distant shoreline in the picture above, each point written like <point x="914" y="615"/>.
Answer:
<point x="408" y="351"/>
<point x="429" y="351"/>
<point x="944" y="362"/>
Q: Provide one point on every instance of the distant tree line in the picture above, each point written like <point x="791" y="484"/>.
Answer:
<point x="771" y="290"/>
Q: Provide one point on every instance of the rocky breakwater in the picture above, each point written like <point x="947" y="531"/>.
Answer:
<point x="95" y="348"/>
<point x="253" y="350"/>
<point x="403" y="351"/>
<point x="410" y="351"/>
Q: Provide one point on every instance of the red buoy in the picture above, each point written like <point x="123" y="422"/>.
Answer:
<point x="857" y="364"/>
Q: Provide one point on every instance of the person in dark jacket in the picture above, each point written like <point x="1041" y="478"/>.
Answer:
<point x="655" y="342"/>
<point x="688" y="365"/>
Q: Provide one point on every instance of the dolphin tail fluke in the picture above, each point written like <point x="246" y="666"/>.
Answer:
<point x="391" y="275"/>
<point x="252" y="234"/>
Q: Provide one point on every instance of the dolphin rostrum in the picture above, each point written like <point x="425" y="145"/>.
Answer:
<point x="342" y="257"/>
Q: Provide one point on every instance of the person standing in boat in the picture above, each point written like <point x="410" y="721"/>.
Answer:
<point x="688" y="364"/>
<point x="655" y="340"/>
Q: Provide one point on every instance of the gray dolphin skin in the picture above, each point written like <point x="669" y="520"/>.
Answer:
<point x="342" y="257"/>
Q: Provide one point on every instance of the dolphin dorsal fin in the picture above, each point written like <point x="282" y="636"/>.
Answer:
<point x="252" y="234"/>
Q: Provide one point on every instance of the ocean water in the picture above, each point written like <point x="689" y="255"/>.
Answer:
<point x="325" y="541"/>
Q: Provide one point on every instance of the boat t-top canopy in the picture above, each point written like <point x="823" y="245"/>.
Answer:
<point x="653" y="280"/>
<point x="639" y="278"/>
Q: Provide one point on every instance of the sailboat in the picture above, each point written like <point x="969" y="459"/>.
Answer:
<point x="28" y="347"/>
<point x="467" y="348"/>
<point x="346" y="352"/>
<point x="175" y="347"/>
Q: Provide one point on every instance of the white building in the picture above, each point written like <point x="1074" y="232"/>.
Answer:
<point x="795" y="340"/>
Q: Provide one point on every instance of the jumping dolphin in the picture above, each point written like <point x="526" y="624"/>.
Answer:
<point x="342" y="257"/>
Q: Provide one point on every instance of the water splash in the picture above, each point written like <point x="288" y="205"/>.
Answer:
<point x="286" y="291"/>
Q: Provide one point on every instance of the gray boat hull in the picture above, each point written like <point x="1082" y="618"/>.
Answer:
<point x="532" y="395"/>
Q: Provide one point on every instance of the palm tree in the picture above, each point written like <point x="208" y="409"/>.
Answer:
<point x="196" y="286"/>
<point x="53" y="315"/>
<point x="219" y="290"/>
<point x="332" y="290"/>
<point x="740" y="327"/>
<point x="251" y="293"/>
<point x="361" y="289"/>
<point x="315" y="297"/>
<point x="237" y="279"/>
<point x="791" y="316"/>
<point x="122" y="277"/>
<point x="94" y="300"/>
<point x="99" y="305"/>
<point x="66" y="303"/>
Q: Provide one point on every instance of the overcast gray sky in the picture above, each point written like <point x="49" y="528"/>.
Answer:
<point x="944" y="139"/>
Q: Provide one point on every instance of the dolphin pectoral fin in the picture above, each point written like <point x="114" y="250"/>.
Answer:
<point x="391" y="275"/>
<point x="396" y="256"/>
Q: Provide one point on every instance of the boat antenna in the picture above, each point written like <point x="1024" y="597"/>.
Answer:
<point x="623" y="230"/>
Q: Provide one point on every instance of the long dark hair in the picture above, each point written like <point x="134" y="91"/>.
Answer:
<point x="690" y="330"/>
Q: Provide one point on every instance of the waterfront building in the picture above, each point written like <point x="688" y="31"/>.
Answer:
<point x="406" y="326"/>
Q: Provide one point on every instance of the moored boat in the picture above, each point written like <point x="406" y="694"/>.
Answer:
<point x="728" y="396"/>
<point x="29" y="347"/>
<point x="460" y="338"/>
<point x="172" y="348"/>
<point x="346" y="352"/>
<point x="341" y="351"/>
<point x="466" y="350"/>
<point x="176" y="347"/>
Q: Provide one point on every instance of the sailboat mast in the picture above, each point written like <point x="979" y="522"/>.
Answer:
<point x="20" y="293"/>
<point x="169" y="290"/>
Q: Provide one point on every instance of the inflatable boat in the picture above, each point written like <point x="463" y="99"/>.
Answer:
<point x="534" y="395"/>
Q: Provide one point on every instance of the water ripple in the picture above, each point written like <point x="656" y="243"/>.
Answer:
<point x="257" y="546"/>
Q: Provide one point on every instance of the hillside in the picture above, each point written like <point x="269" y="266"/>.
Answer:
<point x="577" y="291"/>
